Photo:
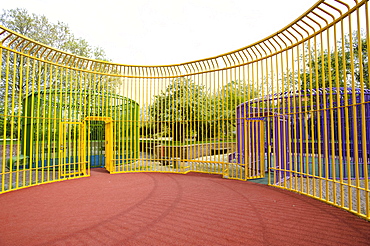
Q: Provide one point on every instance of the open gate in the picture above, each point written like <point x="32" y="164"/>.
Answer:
<point x="281" y="143"/>
<point x="249" y="159"/>
<point x="253" y="148"/>
<point x="72" y="150"/>
<point x="106" y="156"/>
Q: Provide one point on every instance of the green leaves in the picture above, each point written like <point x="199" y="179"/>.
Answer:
<point x="348" y="64"/>
<point x="227" y="99"/>
<point x="57" y="35"/>
<point x="181" y="107"/>
<point x="21" y="76"/>
<point x="188" y="109"/>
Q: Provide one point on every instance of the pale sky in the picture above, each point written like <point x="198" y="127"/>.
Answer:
<point x="162" y="32"/>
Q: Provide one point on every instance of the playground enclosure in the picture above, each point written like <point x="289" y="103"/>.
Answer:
<point x="292" y="108"/>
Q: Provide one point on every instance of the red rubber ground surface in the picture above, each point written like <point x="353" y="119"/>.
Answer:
<point x="171" y="209"/>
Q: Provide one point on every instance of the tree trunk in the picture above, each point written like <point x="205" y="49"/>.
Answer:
<point x="178" y="131"/>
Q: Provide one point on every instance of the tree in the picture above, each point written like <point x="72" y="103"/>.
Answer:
<point x="188" y="109"/>
<point x="20" y="76"/>
<point x="325" y="68"/>
<point x="59" y="36"/>
<point x="227" y="99"/>
<point x="183" y="108"/>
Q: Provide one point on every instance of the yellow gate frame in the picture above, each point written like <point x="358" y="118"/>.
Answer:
<point x="108" y="139"/>
<point x="80" y="151"/>
<point x="254" y="144"/>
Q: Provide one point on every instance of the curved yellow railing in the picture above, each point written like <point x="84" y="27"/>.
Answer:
<point x="295" y="104"/>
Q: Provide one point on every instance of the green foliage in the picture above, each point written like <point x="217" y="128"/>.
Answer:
<point x="338" y="66"/>
<point x="188" y="109"/>
<point x="227" y="99"/>
<point x="6" y="128"/>
<point x="151" y="130"/>
<point x="57" y="35"/>
<point x="182" y="107"/>
<point x="16" y="69"/>
<point x="17" y="162"/>
<point x="96" y="130"/>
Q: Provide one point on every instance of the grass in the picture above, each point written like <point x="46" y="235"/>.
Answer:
<point x="9" y="141"/>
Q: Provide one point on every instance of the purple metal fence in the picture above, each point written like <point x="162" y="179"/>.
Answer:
<point x="277" y="151"/>
<point x="286" y="139"/>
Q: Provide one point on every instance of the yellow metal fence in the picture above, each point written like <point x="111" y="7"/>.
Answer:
<point x="292" y="108"/>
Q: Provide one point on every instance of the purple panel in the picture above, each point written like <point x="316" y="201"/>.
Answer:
<point x="281" y="147"/>
<point x="282" y="158"/>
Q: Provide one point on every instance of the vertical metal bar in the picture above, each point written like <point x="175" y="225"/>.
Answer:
<point x="301" y="117"/>
<point x="19" y="121"/>
<point x="354" y="115"/>
<point x="7" y="65"/>
<point x="3" y="162"/>
<point x="332" y="127"/>
<point x="366" y="167"/>
<point x="39" y="148"/>
<point x="322" y="113"/>
<point x="326" y="80"/>
<point x="340" y="113"/>
<point x="45" y="157"/>
<point x="32" y="135"/>
<point x="13" y="92"/>
<point x="362" y="115"/>
<point x="261" y="128"/>
<point x="307" y="115"/>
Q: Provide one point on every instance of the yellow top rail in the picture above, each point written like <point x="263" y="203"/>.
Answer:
<point x="317" y="19"/>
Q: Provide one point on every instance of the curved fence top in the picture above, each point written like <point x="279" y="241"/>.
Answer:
<point x="318" y="18"/>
